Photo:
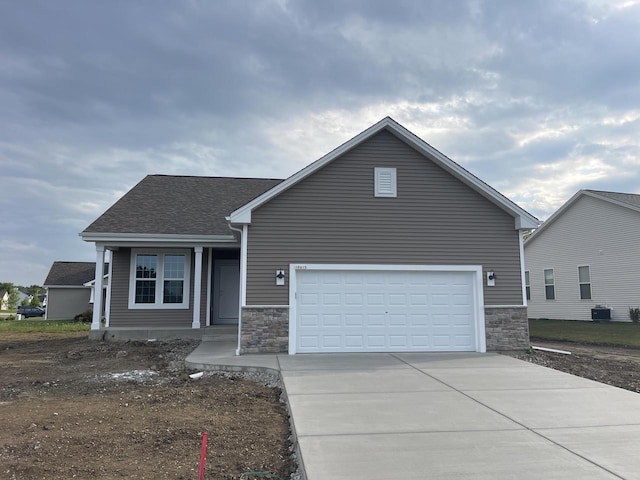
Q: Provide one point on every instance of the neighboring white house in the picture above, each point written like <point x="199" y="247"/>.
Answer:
<point x="4" y="300"/>
<point x="586" y="254"/>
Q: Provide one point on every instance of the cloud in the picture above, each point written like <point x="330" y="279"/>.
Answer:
<point x="537" y="98"/>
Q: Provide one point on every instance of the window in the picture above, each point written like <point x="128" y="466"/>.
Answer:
<point x="385" y="182"/>
<point x="146" y="278"/>
<point x="584" y="280"/>
<point x="159" y="280"/>
<point x="549" y="285"/>
<point x="527" y="285"/>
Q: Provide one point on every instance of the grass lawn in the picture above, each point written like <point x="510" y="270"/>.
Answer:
<point x="29" y="326"/>
<point x="603" y="333"/>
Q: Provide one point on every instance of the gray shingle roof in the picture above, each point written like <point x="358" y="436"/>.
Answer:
<point x="168" y="204"/>
<point x="71" y="273"/>
<point x="628" y="198"/>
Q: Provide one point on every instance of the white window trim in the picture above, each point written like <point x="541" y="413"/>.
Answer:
<point x="158" y="305"/>
<point x="527" y="284"/>
<point x="392" y="172"/>
<point x="544" y="281"/>
<point x="585" y="283"/>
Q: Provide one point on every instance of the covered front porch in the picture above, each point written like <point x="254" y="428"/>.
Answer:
<point x="166" y="291"/>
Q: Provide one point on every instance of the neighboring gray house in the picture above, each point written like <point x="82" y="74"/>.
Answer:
<point x="384" y="244"/>
<point x="67" y="294"/>
<point x="586" y="254"/>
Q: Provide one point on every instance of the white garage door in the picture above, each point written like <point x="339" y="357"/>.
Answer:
<point x="384" y="311"/>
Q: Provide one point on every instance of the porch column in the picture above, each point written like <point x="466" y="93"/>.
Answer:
<point x="97" y="296"/>
<point x="107" y="306"/>
<point x="197" y="287"/>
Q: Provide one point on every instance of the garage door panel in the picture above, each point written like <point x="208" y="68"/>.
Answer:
<point x="354" y="320"/>
<point x="332" y="320"/>
<point x="309" y="320"/>
<point x="398" y="320"/>
<point x="308" y="341"/>
<point x="384" y="311"/>
<point x="376" y="341"/>
<point x="354" y="341"/>
<point x="419" y="320"/>
<point x="375" y="299"/>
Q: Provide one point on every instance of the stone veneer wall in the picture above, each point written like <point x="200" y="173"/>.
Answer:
<point x="507" y="328"/>
<point x="264" y="330"/>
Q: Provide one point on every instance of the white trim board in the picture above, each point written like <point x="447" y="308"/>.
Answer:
<point x="478" y="292"/>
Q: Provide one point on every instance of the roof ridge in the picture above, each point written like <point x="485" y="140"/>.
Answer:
<point x="610" y="191"/>
<point x="222" y="177"/>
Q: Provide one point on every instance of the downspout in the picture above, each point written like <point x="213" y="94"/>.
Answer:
<point x="522" y="268"/>
<point x="243" y="277"/>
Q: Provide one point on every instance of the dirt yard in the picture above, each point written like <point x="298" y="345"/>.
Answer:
<point x="615" y="366"/>
<point x="72" y="408"/>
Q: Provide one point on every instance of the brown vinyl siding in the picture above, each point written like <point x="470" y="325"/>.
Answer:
<point x="333" y="217"/>
<point x="121" y="316"/>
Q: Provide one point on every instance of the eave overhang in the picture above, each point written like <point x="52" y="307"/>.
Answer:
<point x="160" y="240"/>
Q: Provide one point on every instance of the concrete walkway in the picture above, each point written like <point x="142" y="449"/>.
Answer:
<point x="447" y="416"/>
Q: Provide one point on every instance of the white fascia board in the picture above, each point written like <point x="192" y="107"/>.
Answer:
<point x="151" y="238"/>
<point x="524" y="220"/>
<point x="68" y="286"/>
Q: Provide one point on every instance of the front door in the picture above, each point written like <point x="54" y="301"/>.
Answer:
<point x="226" y="291"/>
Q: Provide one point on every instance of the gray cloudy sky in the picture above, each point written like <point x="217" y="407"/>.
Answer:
<point x="537" y="98"/>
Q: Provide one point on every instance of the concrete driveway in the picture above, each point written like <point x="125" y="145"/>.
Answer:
<point x="453" y="416"/>
<point x="446" y="416"/>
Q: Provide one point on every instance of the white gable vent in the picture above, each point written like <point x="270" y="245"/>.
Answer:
<point x="385" y="182"/>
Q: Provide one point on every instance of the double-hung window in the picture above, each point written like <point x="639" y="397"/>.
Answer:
<point x="527" y="285"/>
<point x="584" y="280"/>
<point x="159" y="280"/>
<point x="549" y="284"/>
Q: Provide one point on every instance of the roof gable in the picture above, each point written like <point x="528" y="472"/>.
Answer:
<point x="623" y="200"/>
<point x="523" y="220"/>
